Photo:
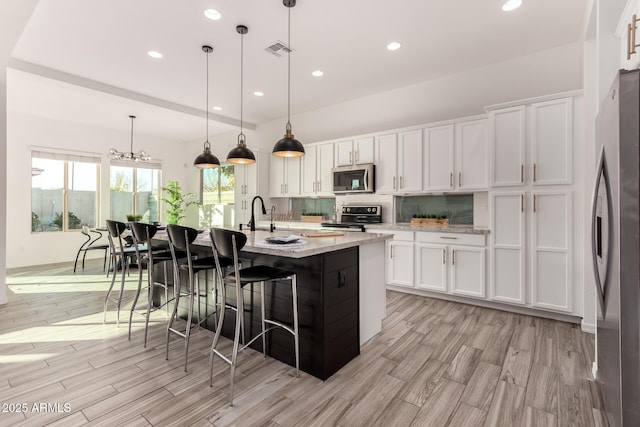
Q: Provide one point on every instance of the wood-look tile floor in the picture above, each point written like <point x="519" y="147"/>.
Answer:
<point x="435" y="363"/>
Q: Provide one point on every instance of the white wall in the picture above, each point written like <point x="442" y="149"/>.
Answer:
<point x="458" y="95"/>
<point x="25" y="131"/>
<point x="14" y="15"/>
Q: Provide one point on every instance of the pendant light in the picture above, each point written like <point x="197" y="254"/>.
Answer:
<point x="140" y="156"/>
<point x="288" y="146"/>
<point x="241" y="154"/>
<point x="207" y="160"/>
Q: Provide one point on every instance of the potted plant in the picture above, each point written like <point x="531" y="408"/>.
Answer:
<point x="312" y="217"/>
<point x="176" y="202"/>
<point x="430" y="220"/>
<point x="134" y="217"/>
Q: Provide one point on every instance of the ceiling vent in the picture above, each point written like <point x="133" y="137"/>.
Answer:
<point x="278" y="49"/>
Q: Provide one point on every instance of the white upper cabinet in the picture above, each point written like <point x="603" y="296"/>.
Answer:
<point x="551" y="141"/>
<point x="246" y="177"/>
<point x="386" y="180"/>
<point x="532" y="144"/>
<point x="438" y="158"/>
<point x="284" y="177"/>
<point x="472" y="155"/>
<point x="316" y="170"/>
<point x="344" y="153"/>
<point x="507" y="136"/>
<point x="409" y="177"/>
<point x="354" y="151"/>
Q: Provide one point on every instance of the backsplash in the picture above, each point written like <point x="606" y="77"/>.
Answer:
<point x="457" y="207"/>
<point x="300" y="206"/>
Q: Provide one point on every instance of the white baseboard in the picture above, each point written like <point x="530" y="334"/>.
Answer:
<point x="588" y="327"/>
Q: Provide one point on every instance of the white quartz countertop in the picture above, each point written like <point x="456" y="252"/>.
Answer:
<point x="465" y="229"/>
<point x="314" y="245"/>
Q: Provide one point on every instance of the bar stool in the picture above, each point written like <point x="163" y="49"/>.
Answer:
<point x="123" y="254"/>
<point x="180" y="240"/>
<point x="227" y="243"/>
<point x="142" y="235"/>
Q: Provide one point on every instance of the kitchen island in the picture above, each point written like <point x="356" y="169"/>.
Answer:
<point x="341" y="295"/>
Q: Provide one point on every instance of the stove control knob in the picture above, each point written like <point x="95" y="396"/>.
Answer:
<point x="374" y="210"/>
<point x="369" y="210"/>
<point x="348" y="209"/>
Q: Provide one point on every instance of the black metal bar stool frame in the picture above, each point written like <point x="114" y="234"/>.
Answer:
<point x="123" y="254"/>
<point x="227" y="243"/>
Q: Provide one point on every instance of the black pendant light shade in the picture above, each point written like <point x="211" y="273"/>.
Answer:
<point x="241" y="155"/>
<point x="207" y="160"/>
<point x="288" y="146"/>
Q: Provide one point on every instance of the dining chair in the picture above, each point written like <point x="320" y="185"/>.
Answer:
<point x="90" y="245"/>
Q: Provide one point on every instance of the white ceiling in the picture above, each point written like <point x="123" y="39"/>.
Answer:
<point x="106" y="42"/>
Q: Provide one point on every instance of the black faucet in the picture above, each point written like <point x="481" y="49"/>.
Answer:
<point x="272" y="226"/>
<point x="252" y="221"/>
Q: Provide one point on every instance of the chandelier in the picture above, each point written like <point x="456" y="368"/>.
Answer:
<point x="140" y="156"/>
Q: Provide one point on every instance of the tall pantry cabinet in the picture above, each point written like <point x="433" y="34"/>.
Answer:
<point x="531" y="203"/>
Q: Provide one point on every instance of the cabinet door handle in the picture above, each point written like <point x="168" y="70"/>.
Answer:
<point x="357" y="155"/>
<point x="314" y="186"/>
<point x="522" y="203"/>
<point x="448" y="238"/>
<point x="350" y="157"/>
<point x="318" y="187"/>
<point x="459" y="179"/>
<point x="521" y="173"/>
<point x="281" y="188"/>
<point x="534" y="172"/>
<point x="444" y="256"/>
<point x="391" y="251"/>
<point x="286" y="188"/>
<point x="453" y="257"/>
<point x="394" y="182"/>
<point x="628" y="42"/>
<point x="401" y="182"/>
<point x="451" y="179"/>
<point x="534" y="203"/>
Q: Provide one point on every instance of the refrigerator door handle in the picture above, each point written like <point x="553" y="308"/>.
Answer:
<point x="601" y="173"/>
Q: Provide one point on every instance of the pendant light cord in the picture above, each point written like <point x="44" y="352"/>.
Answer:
<point x="241" y="78"/>
<point x="207" y="140"/>
<point x="289" y="71"/>
<point x="132" y="117"/>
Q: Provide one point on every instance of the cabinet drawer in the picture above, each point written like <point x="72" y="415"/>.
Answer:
<point x="452" y="238"/>
<point x="406" y="236"/>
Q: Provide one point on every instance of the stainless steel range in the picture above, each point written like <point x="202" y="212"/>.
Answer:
<point x="356" y="217"/>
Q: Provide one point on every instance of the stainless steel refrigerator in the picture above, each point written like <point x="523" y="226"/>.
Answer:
<point x="616" y="250"/>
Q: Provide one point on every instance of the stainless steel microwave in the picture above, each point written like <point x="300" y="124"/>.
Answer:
<point x="354" y="179"/>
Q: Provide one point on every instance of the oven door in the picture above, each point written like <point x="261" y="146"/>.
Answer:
<point x="353" y="179"/>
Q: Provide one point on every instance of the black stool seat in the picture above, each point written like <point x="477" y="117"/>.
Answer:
<point x="258" y="273"/>
<point x="206" y="263"/>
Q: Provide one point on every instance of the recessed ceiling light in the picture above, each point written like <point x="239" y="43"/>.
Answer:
<point x="217" y="108"/>
<point x="212" y="14"/>
<point x="258" y="93"/>
<point x="393" y="46"/>
<point x="154" y="54"/>
<point x="317" y="73"/>
<point x="510" y="5"/>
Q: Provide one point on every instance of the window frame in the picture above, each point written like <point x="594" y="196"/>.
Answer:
<point x="134" y="183"/>
<point x="66" y="158"/>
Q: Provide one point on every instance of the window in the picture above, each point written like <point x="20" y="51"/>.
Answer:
<point x="217" y="195"/>
<point x="64" y="191"/>
<point x="135" y="191"/>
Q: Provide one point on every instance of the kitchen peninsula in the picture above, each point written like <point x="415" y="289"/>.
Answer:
<point x="341" y="295"/>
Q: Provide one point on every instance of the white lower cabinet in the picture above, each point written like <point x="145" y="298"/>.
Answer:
<point x="431" y="267"/>
<point x="451" y="263"/>
<point x="400" y="263"/>
<point x="547" y="248"/>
